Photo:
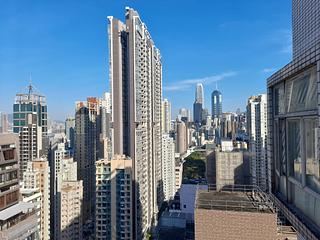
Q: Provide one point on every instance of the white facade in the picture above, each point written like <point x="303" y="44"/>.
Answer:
<point x="188" y="194"/>
<point x="33" y="196"/>
<point x="226" y="145"/>
<point x="257" y="131"/>
<point x="166" y="116"/>
<point x="37" y="176"/>
<point x="68" y="191"/>
<point x="106" y="102"/>
<point x="168" y="167"/>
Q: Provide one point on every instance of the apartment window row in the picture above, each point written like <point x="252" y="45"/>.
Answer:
<point x="296" y="129"/>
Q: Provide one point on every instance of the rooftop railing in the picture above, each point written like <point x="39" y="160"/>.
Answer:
<point x="243" y="198"/>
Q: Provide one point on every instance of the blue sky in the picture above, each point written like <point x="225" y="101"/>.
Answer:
<point x="63" y="44"/>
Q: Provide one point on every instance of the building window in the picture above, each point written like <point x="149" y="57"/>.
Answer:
<point x="279" y="102"/>
<point x="312" y="161"/>
<point x="8" y="154"/>
<point x="294" y="149"/>
<point x="301" y="92"/>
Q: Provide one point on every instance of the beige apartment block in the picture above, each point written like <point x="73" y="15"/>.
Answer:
<point x="71" y="204"/>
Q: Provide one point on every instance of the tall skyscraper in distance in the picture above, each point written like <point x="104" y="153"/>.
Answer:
<point x="136" y="113"/>
<point x="4" y="124"/>
<point x="181" y="137"/>
<point x="166" y="116"/>
<point x="197" y="112"/>
<point x="216" y="104"/>
<point x="293" y="125"/>
<point x="30" y="122"/>
<point x="199" y="94"/>
<point x="198" y="104"/>
<point x="185" y="114"/>
<point x="257" y="132"/>
<point x="69" y="130"/>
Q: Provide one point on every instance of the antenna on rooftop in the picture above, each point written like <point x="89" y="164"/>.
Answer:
<point x="216" y="85"/>
<point x="30" y="88"/>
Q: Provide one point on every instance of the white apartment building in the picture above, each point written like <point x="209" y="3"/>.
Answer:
<point x="257" y="131"/>
<point x="136" y="96"/>
<point x="37" y="175"/>
<point x="168" y="167"/>
<point x="166" y="116"/>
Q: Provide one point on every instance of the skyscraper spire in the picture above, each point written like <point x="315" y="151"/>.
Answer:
<point x="199" y="93"/>
<point x="30" y="88"/>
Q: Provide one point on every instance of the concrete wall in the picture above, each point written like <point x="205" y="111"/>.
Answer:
<point x="188" y="197"/>
<point x="230" y="225"/>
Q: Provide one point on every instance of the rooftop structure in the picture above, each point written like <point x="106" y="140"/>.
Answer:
<point x="242" y="198"/>
<point x="234" y="212"/>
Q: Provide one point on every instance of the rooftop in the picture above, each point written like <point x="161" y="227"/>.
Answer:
<point x="174" y="214"/>
<point x="21" y="207"/>
<point x="238" y="198"/>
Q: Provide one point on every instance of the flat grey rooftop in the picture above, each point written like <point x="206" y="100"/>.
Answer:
<point x="240" y="201"/>
<point x="21" y="207"/>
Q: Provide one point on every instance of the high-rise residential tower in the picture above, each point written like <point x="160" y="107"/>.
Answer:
<point x="257" y="132"/>
<point x="9" y="157"/>
<point x="166" y="116"/>
<point x="37" y="176"/>
<point x="181" y="137"/>
<point x="18" y="219"/>
<point x="114" y="194"/>
<point x="86" y="140"/>
<point x="30" y="121"/>
<point x="65" y="191"/>
<point x="69" y="129"/>
<point x="216" y="104"/>
<point x="136" y="84"/>
<point x="293" y="125"/>
<point x="168" y="167"/>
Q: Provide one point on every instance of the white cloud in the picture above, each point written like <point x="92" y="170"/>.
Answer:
<point x="268" y="70"/>
<point x="187" y="83"/>
<point x="174" y="88"/>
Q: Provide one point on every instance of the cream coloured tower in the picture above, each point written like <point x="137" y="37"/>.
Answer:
<point x="136" y="94"/>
